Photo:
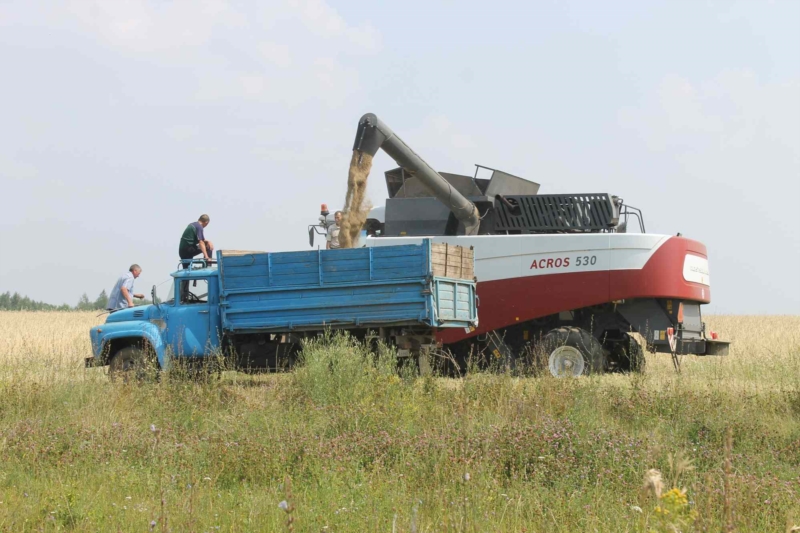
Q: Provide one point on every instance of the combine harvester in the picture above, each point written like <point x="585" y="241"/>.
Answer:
<point x="560" y="275"/>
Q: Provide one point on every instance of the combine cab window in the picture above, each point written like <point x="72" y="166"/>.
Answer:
<point x="194" y="291"/>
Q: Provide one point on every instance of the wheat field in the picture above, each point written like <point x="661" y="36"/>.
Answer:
<point x="344" y="443"/>
<point x="52" y="346"/>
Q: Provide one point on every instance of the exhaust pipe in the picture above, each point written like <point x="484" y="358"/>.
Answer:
<point x="373" y="134"/>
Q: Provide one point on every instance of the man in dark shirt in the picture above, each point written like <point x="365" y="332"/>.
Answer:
<point x="194" y="242"/>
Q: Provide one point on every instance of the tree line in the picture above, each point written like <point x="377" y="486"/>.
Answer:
<point x="15" y="302"/>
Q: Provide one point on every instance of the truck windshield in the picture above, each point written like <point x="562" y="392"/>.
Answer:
<point x="165" y="292"/>
<point x="194" y="291"/>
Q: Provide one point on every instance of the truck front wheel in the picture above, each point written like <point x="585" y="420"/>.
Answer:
<point x="573" y="352"/>
<point x="132" y="364"/>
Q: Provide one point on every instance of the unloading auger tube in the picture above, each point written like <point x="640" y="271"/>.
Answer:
<point x="373" y="134"/>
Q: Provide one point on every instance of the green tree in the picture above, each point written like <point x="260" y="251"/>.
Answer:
<point x="84" y="304"/>
<point x="15" y="302"/>
<point x="102" y="300"/>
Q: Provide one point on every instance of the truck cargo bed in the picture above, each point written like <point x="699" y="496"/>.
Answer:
<point x="347" y="288"/>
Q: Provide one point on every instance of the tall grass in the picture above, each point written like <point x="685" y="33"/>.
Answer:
<point x="348" y="445"/>
<point x="338" y="370"/>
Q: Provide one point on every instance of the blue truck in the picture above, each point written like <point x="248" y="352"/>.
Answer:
<point x="254" y="308"/>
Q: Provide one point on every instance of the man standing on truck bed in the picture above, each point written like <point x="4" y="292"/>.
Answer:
<point x="194" y="242"/>
<point x="122" y="296"/>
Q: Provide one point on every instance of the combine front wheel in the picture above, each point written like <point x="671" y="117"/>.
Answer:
<point x="572" y="352"/>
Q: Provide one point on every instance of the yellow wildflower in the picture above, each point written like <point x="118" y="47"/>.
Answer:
<point x="675" y="497"/>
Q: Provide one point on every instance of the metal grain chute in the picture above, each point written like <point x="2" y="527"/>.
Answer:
<point x="373" y="134"/>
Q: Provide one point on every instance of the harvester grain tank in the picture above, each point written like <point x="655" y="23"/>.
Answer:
<point x="561" y="276"/>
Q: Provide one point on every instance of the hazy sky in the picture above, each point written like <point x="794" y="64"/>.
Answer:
<point x="122" y="121"/>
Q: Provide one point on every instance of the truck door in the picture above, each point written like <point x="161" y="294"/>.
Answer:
<point x="189" y="319"/>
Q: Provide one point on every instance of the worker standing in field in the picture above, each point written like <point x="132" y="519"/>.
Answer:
<point x="193" y="240"/>
<point x="121" y="296"/>
<point x="333" y="232"/>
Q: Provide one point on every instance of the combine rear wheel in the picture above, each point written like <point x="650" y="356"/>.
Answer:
<point x="572" y="352"/>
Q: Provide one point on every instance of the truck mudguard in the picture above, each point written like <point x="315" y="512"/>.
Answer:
<point x="101" y="335"/>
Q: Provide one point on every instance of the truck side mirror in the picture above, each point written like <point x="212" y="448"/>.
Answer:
<point x="154" y="296"/>
<point x="311" y="236"/>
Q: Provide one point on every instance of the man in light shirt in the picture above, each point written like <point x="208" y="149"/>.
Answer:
<point x="333" y="232"/>
<point x="121" y="296"/>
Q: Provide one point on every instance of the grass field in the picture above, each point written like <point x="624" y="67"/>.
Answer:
<point x="358" y="448"/>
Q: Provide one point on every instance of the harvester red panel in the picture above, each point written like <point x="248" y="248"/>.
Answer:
<point x="523" y="277"/>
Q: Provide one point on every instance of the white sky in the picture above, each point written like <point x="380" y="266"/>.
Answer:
<point x="122" y="121"/>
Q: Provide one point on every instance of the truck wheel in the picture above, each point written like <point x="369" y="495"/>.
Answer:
<point x="132" y="364"/>
<point x="572" y="352"/>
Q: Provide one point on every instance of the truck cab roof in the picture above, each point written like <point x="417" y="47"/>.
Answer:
<point x="196" y="272"/>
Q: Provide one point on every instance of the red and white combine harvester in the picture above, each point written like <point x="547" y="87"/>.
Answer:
<point x="562" y="275"/>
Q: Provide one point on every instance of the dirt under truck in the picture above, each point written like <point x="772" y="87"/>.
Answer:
<point x="562" y="277"/>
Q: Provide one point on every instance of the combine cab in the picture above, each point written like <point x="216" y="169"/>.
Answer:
<point x="563" y="278"/>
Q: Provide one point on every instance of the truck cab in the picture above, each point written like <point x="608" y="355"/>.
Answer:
<point x="185" y="320"/>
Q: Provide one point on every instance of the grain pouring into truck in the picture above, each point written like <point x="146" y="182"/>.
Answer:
<point x="355" y="209"/>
